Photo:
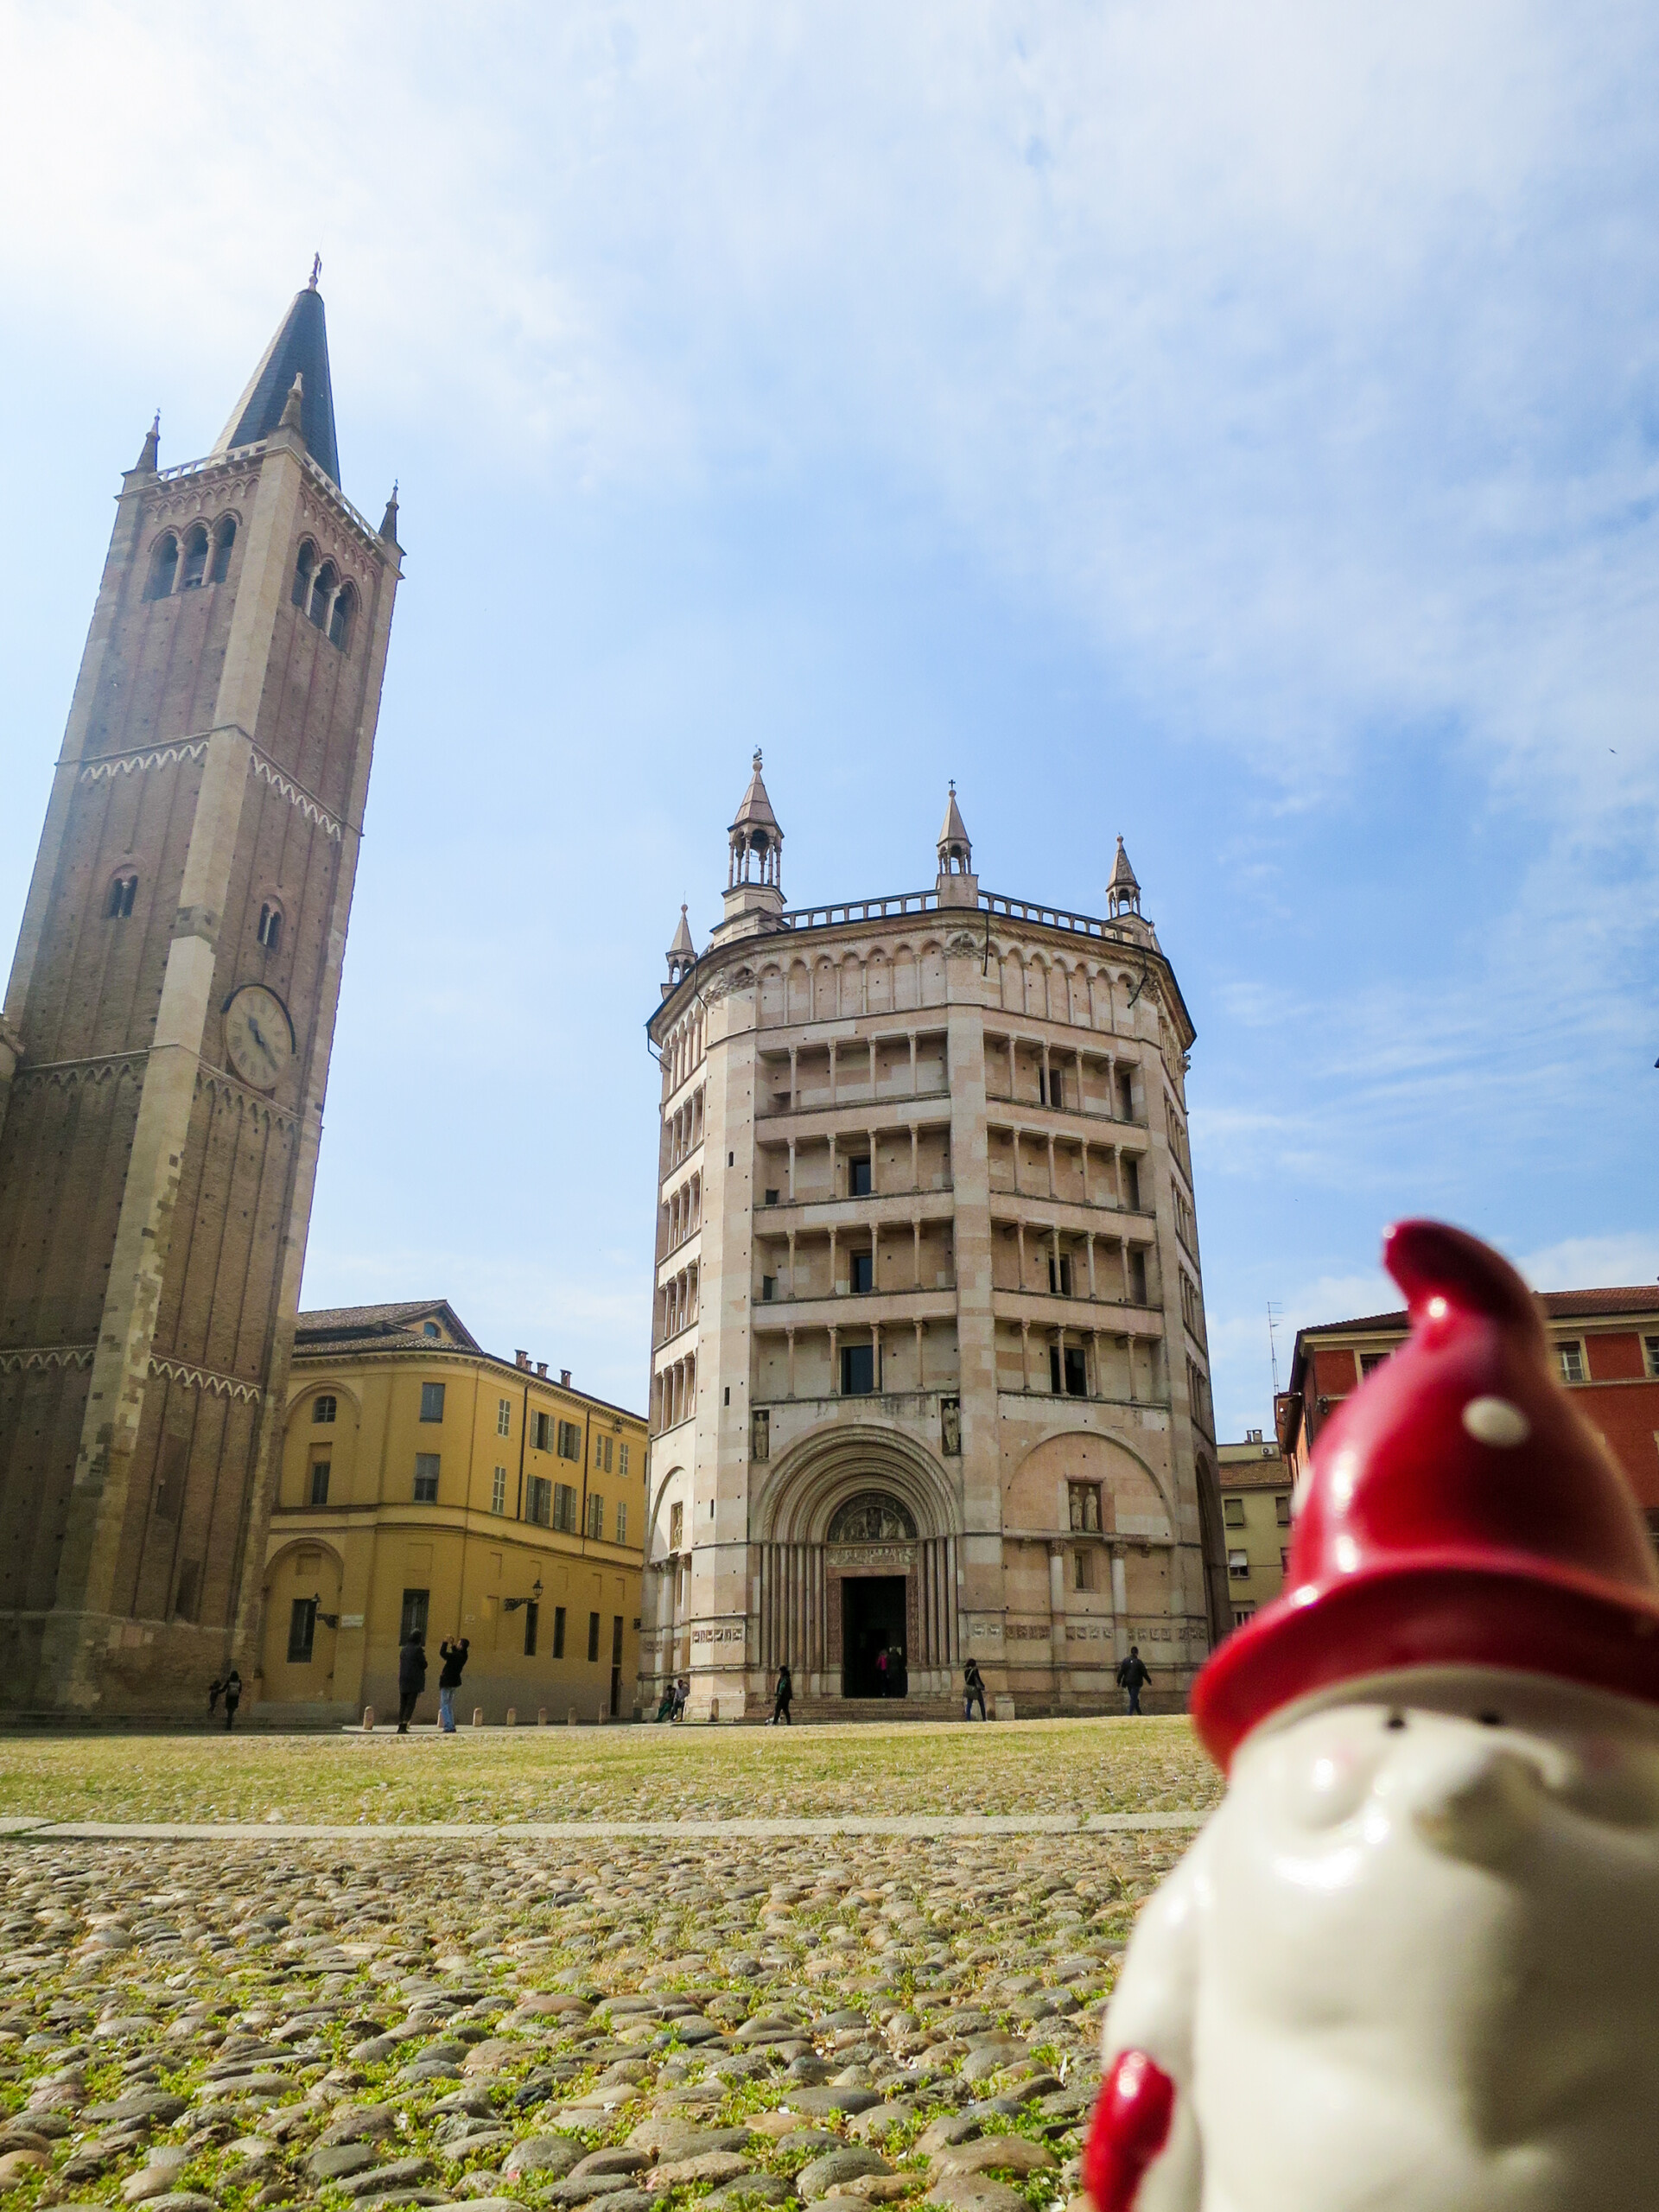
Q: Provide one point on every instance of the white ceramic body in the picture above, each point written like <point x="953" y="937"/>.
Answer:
<point x="1412" y="1964"/>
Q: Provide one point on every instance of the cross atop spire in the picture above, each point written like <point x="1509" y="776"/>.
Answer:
<point x="316" y="270"/>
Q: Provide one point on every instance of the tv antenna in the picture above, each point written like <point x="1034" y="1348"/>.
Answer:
<point x="1274" y="1312"/>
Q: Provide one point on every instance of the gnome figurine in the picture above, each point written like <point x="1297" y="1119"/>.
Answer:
<point x="1412" y="1963"/>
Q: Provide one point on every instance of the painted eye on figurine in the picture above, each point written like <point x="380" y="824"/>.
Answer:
<point x="1489" y="1719"/>
<point x="1395" y="1720"/>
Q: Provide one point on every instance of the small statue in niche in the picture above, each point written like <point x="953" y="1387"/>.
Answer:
<point x="950" y="1427"/>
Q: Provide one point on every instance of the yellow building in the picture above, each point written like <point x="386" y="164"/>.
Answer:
<point x="1256" y="1485"/>
<point x="427" y="1483"/>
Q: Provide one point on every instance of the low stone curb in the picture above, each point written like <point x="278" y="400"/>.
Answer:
<point x="38" y="1828"/>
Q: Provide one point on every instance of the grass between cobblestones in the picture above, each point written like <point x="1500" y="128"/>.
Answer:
<point x="625" y="1773"/>
<point x="491" y="2023"/>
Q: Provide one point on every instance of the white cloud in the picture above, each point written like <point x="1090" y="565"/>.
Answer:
<point x="1628" y="1257"/>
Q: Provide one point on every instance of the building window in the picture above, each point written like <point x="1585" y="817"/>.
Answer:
<point x="1284" y="1562"/>
<point x="163" y="568"/>
<point x="541" y="1432"/>
<point x="322" y="592"/>
<point x="304" y="562"/>
<point x="224" y="539"/>
<point x="499" y="1492"/>
<point x="770" y="1198"/>
<point x="861" y="1271"/>
<point x="123" y="889"/>
<point x="1370" y="1362"/>
<point x="857" y="1371"/>
<point x="1125" y="1097"/>
<point x="189" y="1589"/>
<point x="559" y="1631"/>
<point x="593" y="1638"/>
<point x="538" y="1501"/>
<point x="533" y="1625"/>
<point x="569" y="1440"/>
<point x="1082" y="1577"/>
<point x="270" y="925"/>
<point x="323" y="1409"/>
<point x="1050" y="1092"/>
<point x="302" y="1632"/>
<point x="431" y="1329"/>
<point x="1059" y="1275"/>
<point x="564" y="1507"/>
<point x="676" y="1527"/>
<point x="1281" y="1508"/>
<point x="768" y="1289"/>
<point x="1083" y="1505"/>
<point x="858" y="1177"/>
<point x="320" y="1470"/>
<point x="195" y="559"/>
<point x="622" y="1460"/>
<point x="1239" y="1565"/>
<point x="596" y="1517"/>
<point x="426" y="1479"/>
<point x="1232" y="1512"/>
<point x="340" y="623"/>
<point x="621" y="1521"/>
<point x="604" y="1449"/>
<point x="413" y="1621"/>
<point x="1571" y="1357"/>
<point x="1242" y="1613"/>
<point x="1650" y="1355"/>
<point x="760" y="1436"/>
<point x="1071" y="1373"/>
<point x="1138" y="1278"/>
<point x="431" y="1401"/>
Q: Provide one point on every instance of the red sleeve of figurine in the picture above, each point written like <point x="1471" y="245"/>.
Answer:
<point x="1130" y="2127"/>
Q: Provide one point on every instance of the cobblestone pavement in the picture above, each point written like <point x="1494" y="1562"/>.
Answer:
<point x="507" y="2024"/>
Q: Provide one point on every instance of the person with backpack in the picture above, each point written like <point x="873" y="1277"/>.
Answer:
<point x="231" y="1687"/>
<point x="973" y="1687"/>
<point x="454" y="1656"/>
<point x="1133" y="1675"/>
<point x="785" y="1691"/>
<point x="411" y="1679"/>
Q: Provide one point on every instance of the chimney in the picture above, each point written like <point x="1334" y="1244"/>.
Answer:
<point x="541" y="1367"/>
<point x="564" y="1377"/>
<point x="521" y="1358"/>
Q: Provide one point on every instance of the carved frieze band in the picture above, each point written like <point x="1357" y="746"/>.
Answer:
<point x="23" y="1358"/>
<point x="204" y="1378"/>
<point x="193" y="749"/>
<point x="64" y="1073"/>
<point x="218" y="1084"/>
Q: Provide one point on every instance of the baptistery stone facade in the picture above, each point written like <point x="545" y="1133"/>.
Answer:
<point x="929" y="1370"/>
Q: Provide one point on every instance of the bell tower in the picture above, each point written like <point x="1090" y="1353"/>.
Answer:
<point x="164" y="1049"/>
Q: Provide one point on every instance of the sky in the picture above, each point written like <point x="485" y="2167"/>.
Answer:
<point x="1235" y="428"/>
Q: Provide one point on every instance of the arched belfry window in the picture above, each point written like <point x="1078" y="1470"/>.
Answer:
<point x="123" y="889"/>
<point x="270" y="925"/>
<point x="302" y="567"/>
<point x="195" y="558"/>
<point x="322" y="592"/>
<point x="163" y="568"/>
<point x="224" y="539"/>
<point x="340" y="625"/>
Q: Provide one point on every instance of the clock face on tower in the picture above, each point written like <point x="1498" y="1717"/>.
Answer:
<point x="258" y="1035"/>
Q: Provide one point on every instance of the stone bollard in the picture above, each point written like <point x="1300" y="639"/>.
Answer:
<point x="478" y="1716"/>
<point x="512" y="1716"/>
<point x="541" y="1716"/>
<point x="713" y="1708"/>
<point x="572" y="1719"/>
<point x="368" y="1718"/>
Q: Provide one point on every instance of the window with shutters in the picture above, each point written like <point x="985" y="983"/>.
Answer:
<point x="499" y="1492"/>
<point x="504" y="1416"/>
<point x="593" y="1638"/>
<point x="426" y="1479"/>
<point x="569" y="1440"/>
<point x="541" y="1432"/>
<point x="564" y="1507"/>
<point x="595" y="1515"/>
<point x="323" y="1409"/>
<point x="621" y="1522"/>
<point x="431" y="1401"/>
<point x="559" y="1631"/>
<point x="622" y="1459"/>
<point x="320" y="1470"/>
<point x="538" y="1501"/>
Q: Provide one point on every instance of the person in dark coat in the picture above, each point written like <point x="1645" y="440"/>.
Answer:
<point x="232" y="1688"/>
<point x="454" y="1656"/>
<point x="1132" y="1676"/>
<point x="973" y="1690"/>
<point x="411" y="1680"/>
<point x="215" y="1691"/>
<point x="786" y="1690"/>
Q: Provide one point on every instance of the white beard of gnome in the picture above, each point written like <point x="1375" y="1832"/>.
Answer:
<point x="1412" y="1963"/>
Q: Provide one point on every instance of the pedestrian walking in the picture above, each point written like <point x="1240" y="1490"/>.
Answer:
<point x="231" y="1689"/>
<point x="973" y="1689"/>
<point x="670" y="1692"/>
<point x="411" y="1680"/>
<point x="881" y="1672"/>
<point x="1132" y="1676"/>
<point x="454" y="1656"/>
<point x="781" y="1697"/>
<point x="215" y="1691"/>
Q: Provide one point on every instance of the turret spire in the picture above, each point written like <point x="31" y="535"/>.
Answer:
<point x="1123" y="893"/>
<point x="682" y="954"/>
<point x="149" y="452"/>
<point x="299" y="348"/>
<point x="756" y="840"/>
<point x="956" y="853"/>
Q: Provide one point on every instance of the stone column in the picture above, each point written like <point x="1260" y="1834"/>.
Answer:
<point x="1057" y="1616"/>
<point x="1120" y="1603"/>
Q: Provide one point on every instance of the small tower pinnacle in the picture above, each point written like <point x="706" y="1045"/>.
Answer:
<point x="753" y="878"/>
<point x="958" y="886"/>
<point x="151" y="448"/>
<point x="681" y="956"/>
<point x="1123" y="893"/>
<point x="389" y="520"/>
<point x="294" y="405"/>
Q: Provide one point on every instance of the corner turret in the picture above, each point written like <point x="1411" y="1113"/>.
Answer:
<point x="957" y="884"/>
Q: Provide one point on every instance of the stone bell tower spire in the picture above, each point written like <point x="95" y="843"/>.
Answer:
<point x="681" y="956"/>
<point x="754" y="893"/>
<point x="1123" y="892"/>
<point x="957" y="885"/>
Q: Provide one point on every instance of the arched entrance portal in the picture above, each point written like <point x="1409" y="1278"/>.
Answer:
<point x="857" y="1532"/>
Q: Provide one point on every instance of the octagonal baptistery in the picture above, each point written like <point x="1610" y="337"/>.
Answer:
<point x="929" y="1378"/>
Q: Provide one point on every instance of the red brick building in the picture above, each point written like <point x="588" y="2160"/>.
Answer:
<point x="1606" y="1341"/>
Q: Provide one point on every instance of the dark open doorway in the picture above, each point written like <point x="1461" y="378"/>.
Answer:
<point x="872" y="1622"/>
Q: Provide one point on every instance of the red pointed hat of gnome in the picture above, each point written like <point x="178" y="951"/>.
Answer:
<point x="1460" y="1511"/>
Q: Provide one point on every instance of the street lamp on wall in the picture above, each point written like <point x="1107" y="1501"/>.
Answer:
<point x="328" y="1620"/>
<point x="513" y="1604"/>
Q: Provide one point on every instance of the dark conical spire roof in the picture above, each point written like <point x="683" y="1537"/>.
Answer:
<point x="682" y="938"/>
<point x="300" y="348"/>
<point x="756" y="807"/>
<point x="954" y="832"/>
<point x="1123" y="892"/>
